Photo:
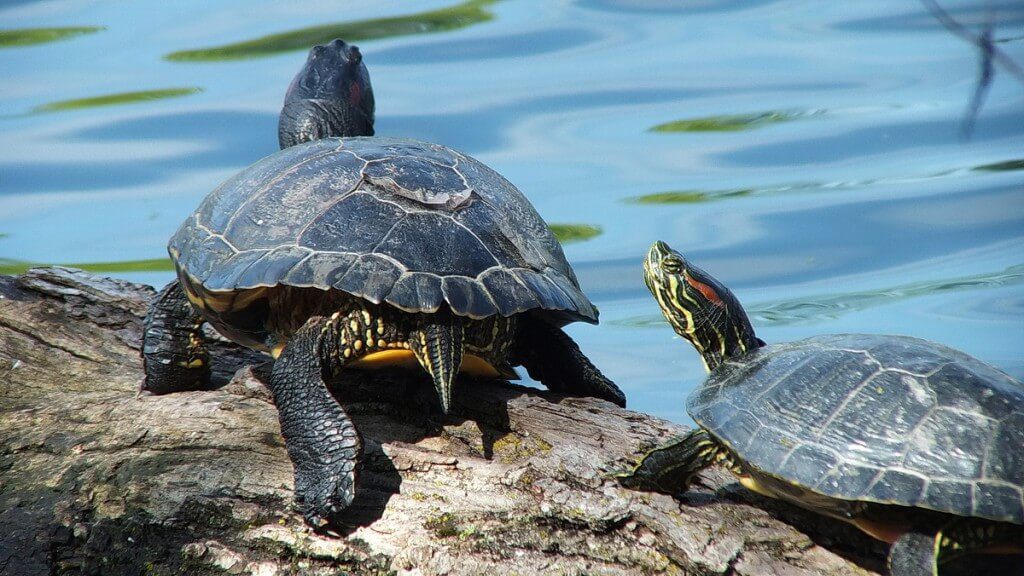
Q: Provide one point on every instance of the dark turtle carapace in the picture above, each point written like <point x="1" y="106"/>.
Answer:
<point x="915" y="443"/>
<point x="360" y="252"/>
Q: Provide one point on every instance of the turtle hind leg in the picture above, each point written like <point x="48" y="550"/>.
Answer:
<point x="915" y="553"/>
<point x="671" y="467"/>
<point x="973" y="546"/>
<point x="174" y="356"/>
<point x="551" y="357"/>
<point x="322" y="441"/>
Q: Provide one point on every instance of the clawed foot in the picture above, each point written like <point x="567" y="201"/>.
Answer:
<point x="634" y="480"/>
<point x="607" y="390"/>
<point x="322" y="495"/>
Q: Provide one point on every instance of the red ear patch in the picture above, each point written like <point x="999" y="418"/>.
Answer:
<point x="355" y="93"/>
<point x="707" y="291"/>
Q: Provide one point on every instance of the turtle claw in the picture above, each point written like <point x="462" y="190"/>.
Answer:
<point x="632" y="480"/>
<point x="322" y="498"/>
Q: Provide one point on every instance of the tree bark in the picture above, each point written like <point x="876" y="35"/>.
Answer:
<point x="96" y="479"/>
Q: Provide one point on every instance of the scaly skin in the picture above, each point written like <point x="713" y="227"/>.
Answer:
<point x="553" y="358"/>
<point x="321" y="440"/>
<point x="174" y="356"/>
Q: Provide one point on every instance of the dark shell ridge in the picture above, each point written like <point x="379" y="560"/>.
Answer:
<point x="887" y="419"/>
<point x="412" y="224"/>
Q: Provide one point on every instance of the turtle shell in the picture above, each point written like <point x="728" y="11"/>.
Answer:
<point x="407" y="223"/>
<point x="885" y="419"/>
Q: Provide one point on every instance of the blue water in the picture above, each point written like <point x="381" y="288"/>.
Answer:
<point x="844" y="199"/>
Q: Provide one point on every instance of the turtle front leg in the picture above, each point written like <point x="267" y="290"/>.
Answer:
<point x="670" y="468"/>
<point x="551" y="357"/>
<point x="322" y="441"/>
<point x="174" y="356"/>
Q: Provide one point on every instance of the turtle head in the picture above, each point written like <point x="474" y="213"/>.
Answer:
<point x="699" y="308"/>
<point x="330" y="96"/>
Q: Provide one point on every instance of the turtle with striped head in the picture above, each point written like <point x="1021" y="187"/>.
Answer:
<point x="915" y="443"/>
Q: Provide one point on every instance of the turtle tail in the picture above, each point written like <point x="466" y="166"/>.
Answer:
<point x="438" y="346"/>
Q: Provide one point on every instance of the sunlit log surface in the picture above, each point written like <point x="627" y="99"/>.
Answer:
<point x="97" y="480"/>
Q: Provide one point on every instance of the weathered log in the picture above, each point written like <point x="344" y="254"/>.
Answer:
<point x="96" y="479"/>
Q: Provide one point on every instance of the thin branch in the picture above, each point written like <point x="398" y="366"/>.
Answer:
<point x="990" y="56"/>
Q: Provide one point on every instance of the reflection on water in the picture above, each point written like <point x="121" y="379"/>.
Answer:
<point x="810" y="159"/>
<point x="115" y="99"/>
<point x="29" y="36"/>
<point x="442" y="20"/>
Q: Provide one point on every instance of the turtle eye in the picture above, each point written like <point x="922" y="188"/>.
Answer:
<point x="672" y="265"/>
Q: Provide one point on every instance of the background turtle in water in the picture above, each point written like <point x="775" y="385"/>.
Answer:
<point x="915" y="443"/>
<point x="362" y="252"/>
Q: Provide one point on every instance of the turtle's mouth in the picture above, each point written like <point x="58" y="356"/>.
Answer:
<point x="654" y="274"/>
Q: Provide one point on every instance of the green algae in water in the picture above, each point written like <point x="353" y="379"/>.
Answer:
<point x="116" y="99"/>
<point x="433" y="21"/>
<point x="732" y="122"/>
<point x="30" y="36"/>
<point x="1008" y="166"/>
<point x="688" y="196"/>
<point x="568" y="233"/>
<point x="8" y="266"/>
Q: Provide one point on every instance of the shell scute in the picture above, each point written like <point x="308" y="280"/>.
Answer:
<point x="208" y="252"/>
<point x="335" y="230"/>
<point x="509" y="294"/>
<point x="899" y="486"/>
<point x="225" y="277"/>
<point x="320" y="269"/>
<point x="371" y="276"/>
<point x="1006" y="458"/>
<point x="854" y="481"/>
<point x="548" y="294"/>
<point x="420" y="180"/>
<point x="274" y="209"/>
<point x="429" y="243"/>
<point x="934" y="446"/>
<point x="993" y="500"/>
<point x="467" y="297"/>
<point x="275" y="264"/>
<point x="417" y="290"/>
<point x="805" y="461"/>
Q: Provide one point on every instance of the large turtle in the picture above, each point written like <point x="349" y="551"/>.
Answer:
<point x="915" y="443"/>
<point x="360" y="252"/>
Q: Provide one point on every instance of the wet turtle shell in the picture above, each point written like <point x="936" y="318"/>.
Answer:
<point x="884" y="419"/>
<point x="414" y="225"/>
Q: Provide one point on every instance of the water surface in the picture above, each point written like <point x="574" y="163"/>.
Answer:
<point x="807" y="153"/>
